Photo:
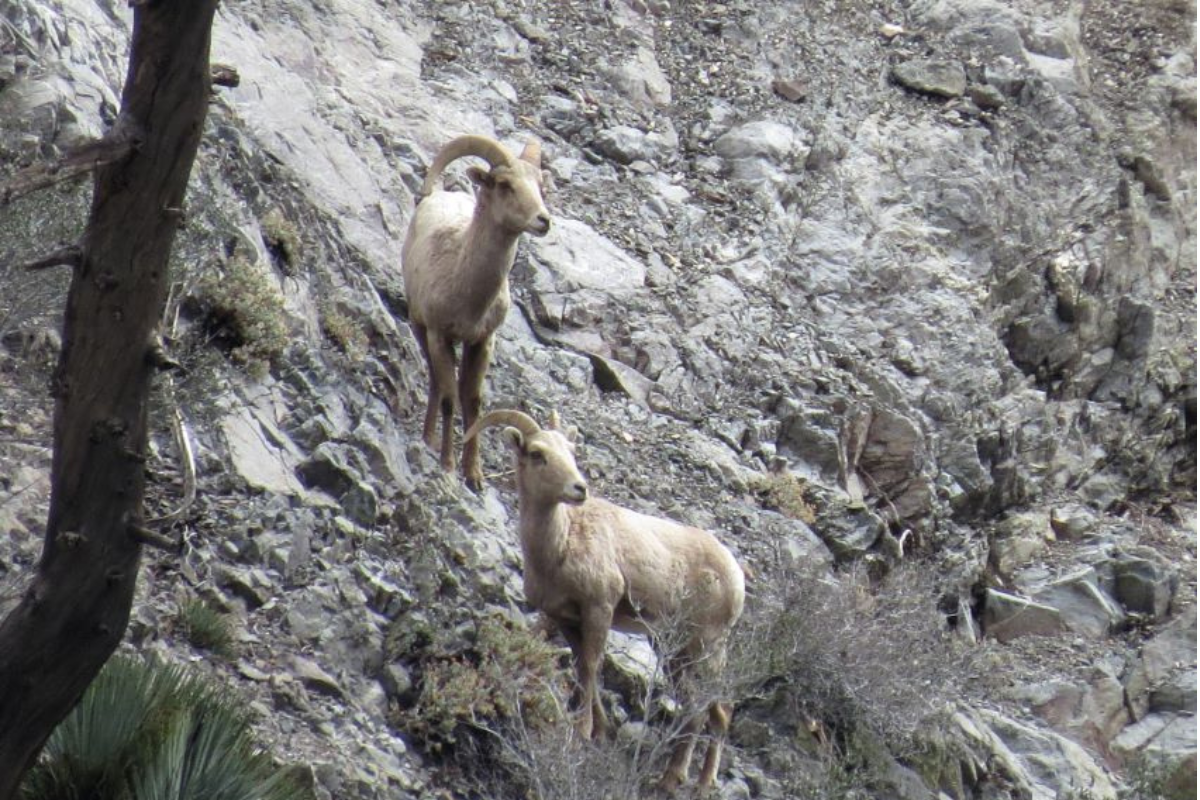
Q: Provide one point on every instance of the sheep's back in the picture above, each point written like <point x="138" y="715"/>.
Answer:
<point x="672" y="569"/>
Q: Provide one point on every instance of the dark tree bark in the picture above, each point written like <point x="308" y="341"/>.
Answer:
<point x="77" y="607"/>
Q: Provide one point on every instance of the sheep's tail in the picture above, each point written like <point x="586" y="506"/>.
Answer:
<point x="518" y="419"/>
<point x="484" y="147"/>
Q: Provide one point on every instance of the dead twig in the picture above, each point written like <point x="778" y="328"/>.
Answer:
<point x="225" y="75"/>
<point x="154" y="539"/>
<point x="70" y="255"/>
<point x="187" y="455"/>
<point x="179" y="427"/>
<point x="115" y="145"/>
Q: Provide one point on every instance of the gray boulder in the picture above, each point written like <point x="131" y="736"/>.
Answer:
<point x="1083" y="606"/>
<point x="761" y="151"/>
<point x="936" y="77"/>
<point x="1143" y="585"/>
<point x="1007" y="617"/>
<point x="1162" y="667"/>
<point x="626" y="144"/>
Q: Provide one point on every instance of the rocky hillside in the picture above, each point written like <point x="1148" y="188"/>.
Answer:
<point x="897" y="296"/>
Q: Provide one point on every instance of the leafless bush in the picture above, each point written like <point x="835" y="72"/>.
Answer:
<point x="554" y="763"/>
<point x="861" y="666"/>
<point x="847" y="656"/>
<point x="500" y="720"/>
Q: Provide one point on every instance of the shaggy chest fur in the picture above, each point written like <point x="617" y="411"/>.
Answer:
<point x="455" y="285"/>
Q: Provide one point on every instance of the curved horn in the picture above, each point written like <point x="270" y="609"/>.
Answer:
<point x="518" y="419"/>
<point x="485" y="147"/>
<point x="532" y="153"/>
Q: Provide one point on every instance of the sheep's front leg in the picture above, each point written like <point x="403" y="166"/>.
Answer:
<point x="441" y="396"/>
<point x="475" y="360"/>
<point x="587" y="642"/>
<point x="431" y="404"/>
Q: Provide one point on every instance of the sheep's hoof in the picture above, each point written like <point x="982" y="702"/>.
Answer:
<point x="585" y="728"/>
<point x="669" y="783"/>
<point x="474" y="483"/>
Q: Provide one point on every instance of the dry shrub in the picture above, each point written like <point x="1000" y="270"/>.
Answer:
<point x="847" y="655"/>
<point x="507" y="676"/>
<point x="499" y="713"/>
<point x="282" y="236"/>
<point x="246" y="308"/>
<point x="554" y="763"/>
<point x="346" y="333"/>
<point x="787" y="494"/>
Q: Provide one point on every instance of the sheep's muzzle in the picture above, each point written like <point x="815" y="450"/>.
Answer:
<point x="576" y="493"/>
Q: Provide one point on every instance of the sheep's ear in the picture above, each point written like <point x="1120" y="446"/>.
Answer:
<point x="480" y="177"/>
<point x="514" y="439"/>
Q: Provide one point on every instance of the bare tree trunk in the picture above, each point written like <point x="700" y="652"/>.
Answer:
<point x="76" y="610"/>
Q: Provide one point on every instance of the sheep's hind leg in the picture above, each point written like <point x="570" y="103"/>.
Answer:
<point x="475" y="361"/>
<point x="681" y="757"/>
<point x="441" y="396"/>
<point x="719" y="717"/>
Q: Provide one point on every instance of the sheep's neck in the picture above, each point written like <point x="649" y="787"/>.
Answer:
<point x="488" y="253"/>
<point x="545" y="529"/>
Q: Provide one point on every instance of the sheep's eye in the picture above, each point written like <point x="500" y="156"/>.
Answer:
<point x="537" y="456"/>
<point x="504" y="186"/>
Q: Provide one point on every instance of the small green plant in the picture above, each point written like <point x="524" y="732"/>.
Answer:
<point x="508" y="674"/>
<point x="281" y="235"/>
<point x="206" y="628"/>
<point x="246" y="307"/>
<point x="1150" y="778"/>
<point x="345" y="333"/>
<point x="146" y="731"/>
<point x="785" y="493"/>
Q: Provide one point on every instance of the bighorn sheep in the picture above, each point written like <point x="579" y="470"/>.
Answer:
<point x="592" y="566"/>
<point x="456" y="259"/>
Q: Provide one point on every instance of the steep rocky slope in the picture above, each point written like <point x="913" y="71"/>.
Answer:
<point x="877" y="283"/>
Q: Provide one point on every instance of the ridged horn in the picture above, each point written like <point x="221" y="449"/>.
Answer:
<point x="518" y="419"/>
<point x="532" y="153"/>
<point x="485" y="147"/>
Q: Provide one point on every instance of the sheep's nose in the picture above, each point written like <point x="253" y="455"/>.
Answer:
<point x="542" y="223"/>
<point x="580" y="489"/>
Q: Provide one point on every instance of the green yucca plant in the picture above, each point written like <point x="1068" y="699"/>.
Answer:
<point x="146" y="731"/>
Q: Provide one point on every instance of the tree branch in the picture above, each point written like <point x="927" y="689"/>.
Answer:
<point x="154" y="539"/>
<point x="119" y="142"/>
<point x="69" y="255"/>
